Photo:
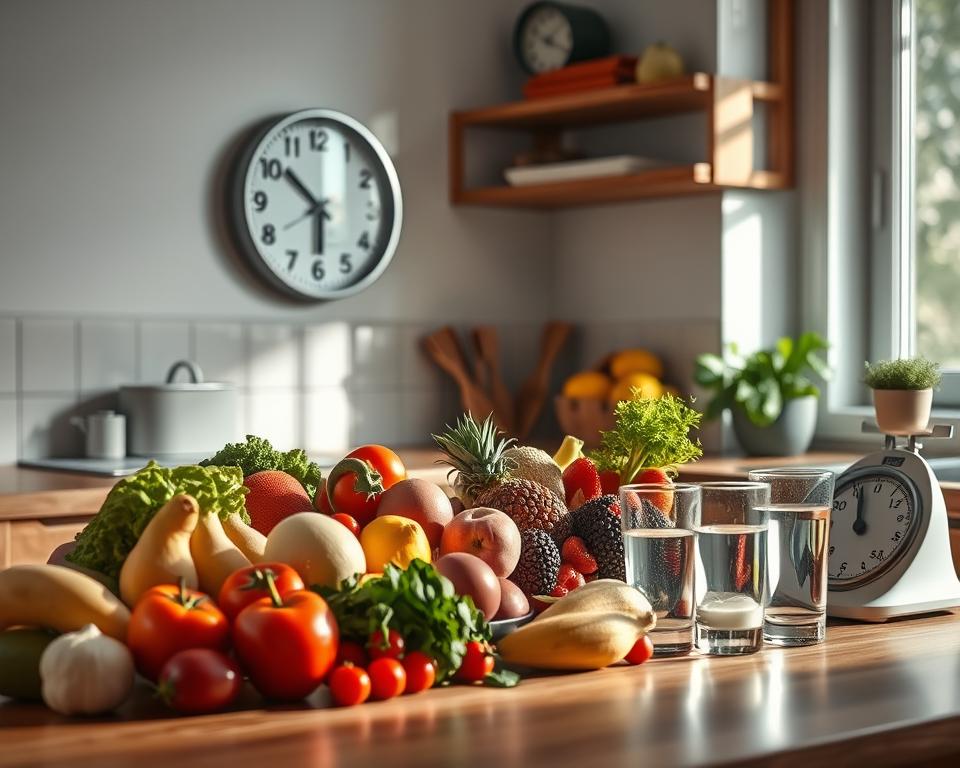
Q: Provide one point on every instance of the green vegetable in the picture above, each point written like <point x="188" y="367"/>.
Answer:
<point x="764" y="381"/>
<point x="107" y="540"/>
<point x="418" y="603"/>
<point x="649" y="433"/>
<point x="906" y="373"/>
<point x="20" y="652"/>
<point x="256" y="455"/>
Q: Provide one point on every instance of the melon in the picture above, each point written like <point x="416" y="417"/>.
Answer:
<point x="274" y="496"/>
<point x="323" y="551"/>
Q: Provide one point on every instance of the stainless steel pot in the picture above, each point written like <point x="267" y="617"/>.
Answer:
<point x="179" y="418"/>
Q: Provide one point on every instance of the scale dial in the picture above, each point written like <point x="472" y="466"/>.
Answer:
<point x="876" y="514"/>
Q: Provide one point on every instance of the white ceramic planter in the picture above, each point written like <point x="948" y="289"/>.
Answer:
<point x="902" y="411"/>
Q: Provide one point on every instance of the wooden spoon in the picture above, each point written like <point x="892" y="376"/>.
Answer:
<point x="488" y="356"/>
<point x="444" y="349"/>
<point x="534" y="391"/>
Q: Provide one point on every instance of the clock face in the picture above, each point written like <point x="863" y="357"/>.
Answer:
<point x="546" y="39"/>
<point x="320" y="205"/>
<point x="874" y="518"/>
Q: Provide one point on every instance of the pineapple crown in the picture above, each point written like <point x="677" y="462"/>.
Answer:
<point x="475" y="453"/>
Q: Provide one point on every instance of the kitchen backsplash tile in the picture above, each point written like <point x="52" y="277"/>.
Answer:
<point x="327" y="355"/>
<point x="221" y="351"/>
<point x="375" y="418"/>
<point x="326" y="421"/>
<point x="9" y="429"/>
<point x="160" y="345"/>
<point x="48" y="356"/>
<point x="8" y="355"/>
<point x="376" y="358"/>
<point x="276" y="415"/>
<point x="417" y="371"/>
<point x="45" y="428"/>
<point x="107" y="354"/>
<point x="273" y="356"/>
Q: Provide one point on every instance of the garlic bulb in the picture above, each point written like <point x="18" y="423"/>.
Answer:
<point x="86" y="673"/>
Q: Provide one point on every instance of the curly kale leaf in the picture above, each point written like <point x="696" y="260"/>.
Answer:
<point x="257" y="454"/>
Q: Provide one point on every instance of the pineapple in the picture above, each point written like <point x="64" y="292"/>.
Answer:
<point x="476" y="455"/>
<point x="530" y="505"/>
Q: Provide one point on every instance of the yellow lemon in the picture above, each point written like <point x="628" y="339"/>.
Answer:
<point x="588" y="384"/>
<point x="393" y="539"/>
<point x="635" y="385"/>
<point x="636" y="361"/>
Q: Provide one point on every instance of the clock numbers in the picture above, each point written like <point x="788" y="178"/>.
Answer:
<point x="345" y="263"/>
<point x="317" y="270"/>
<point x="268" y="235"/>
<point x="270" y="169"/>
<point x="292" y="256"/>
<point x="260" y="200"/>
<point x="364" y="242"/>
<point x="291" y="146"/>
<point x="365" y="177"/>
<point x="318" y="140"/>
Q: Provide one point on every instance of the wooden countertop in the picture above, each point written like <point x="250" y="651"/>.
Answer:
<point x="872" y="694"/>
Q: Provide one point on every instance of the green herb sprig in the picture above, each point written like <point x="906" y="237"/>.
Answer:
<point x="906" y="373"/>
<point x="649" y="432"/>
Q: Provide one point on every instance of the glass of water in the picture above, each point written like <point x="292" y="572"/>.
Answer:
<point x="658" y="534"/>
<point x="731" y="567"/>
<point x="800" y="502"/>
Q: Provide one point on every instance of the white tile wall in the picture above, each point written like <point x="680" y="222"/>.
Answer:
<point x="274" y="356"/>
<point x="160" y="345"/>
<point x="417" y="371"/>
<point x="375" y="417"/>
<point x="376" y="359"/>
<point x="9" y="429"/>
<point x="276" y="415"/>
<point x="326" y="421"/>
<point x="108" y="355"/>
<point x="327" y="355"/>
<point x="221" y="351"/>
<point x="49" y="356"/>
<point x="8" y="355"/>
<point x="45" y="428"/>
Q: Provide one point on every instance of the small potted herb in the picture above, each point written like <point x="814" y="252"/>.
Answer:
<point x="903" y="393"/>
<point x="769" y="394"/>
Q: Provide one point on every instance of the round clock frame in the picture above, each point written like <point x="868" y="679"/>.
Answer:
<point x="381" y="176"/>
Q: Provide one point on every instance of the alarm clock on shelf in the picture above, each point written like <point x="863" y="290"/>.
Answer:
<point x="316" y="205"/>
<point x="552" y="35"/>
<point x="889" y="552"/>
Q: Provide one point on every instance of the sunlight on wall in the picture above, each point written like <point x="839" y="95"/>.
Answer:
<point x="742" y="277"/>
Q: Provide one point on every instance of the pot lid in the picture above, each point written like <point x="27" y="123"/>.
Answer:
<point x="195" y="384"/>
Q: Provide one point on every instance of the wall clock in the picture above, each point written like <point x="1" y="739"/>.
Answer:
<point x="551" y="35"/>
<point x="317" y="207"/>
<point x="889" y="545"/>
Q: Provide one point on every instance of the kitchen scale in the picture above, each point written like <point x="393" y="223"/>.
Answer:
<point x="889" y="550"/>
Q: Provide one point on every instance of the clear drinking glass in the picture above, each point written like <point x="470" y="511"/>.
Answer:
<point x="658" y="523"/>
<point x="800" y="502"/>
<point x="731" y="565"/>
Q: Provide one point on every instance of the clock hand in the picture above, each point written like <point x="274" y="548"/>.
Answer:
<point x="320" y="204"/>
<point x="300" y="187"/>
<point x="320" y="212"/>
<point x="860" y="525"/>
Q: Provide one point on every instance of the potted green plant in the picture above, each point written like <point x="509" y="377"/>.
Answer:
<point x="769" y="393"/>
<point x="903" y="393"/>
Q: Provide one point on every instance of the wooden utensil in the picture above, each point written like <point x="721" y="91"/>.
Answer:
<point x="488" y="360"/>
<point x="444" y="349"/>
<point x="534" y="391"/>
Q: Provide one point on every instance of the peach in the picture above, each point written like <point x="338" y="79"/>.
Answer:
<point x="418" y="500"/>
<point x="487" y="533"/>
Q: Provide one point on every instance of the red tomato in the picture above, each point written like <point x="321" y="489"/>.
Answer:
<point x="357" y="505"/>
<point x="642" y="650"/>
<point x="387" y="678"/>
<point x="320" y="501"/>
<point x="392" y="649"/>
<point x="349" y="685"/>
<point x="168" y="619"/>
<point x="287" y="648"/>
<point x="199" y="680"/>
<point x="351" y="523"/>
<point x="250" y="584"/>
<point x="421" y="672"/>
<point x="476" y="664"/>
<point x="351" y="653"/>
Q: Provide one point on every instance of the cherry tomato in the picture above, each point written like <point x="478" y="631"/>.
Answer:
<point x="351" y="653"/>
<point x="287" y="645"/>
<point x="357" y="505"/>
<point x="387" y="678"/>
<point x="476" y="664"/>
<point x="168" y="619"/>
<point x="250" y="584"/>
<point x="349" y="685"/>
<point x="421" y="672"/>
<point x="641" y="651"/>
<point x="392" y="649"/>
<point x="199" y="680"/>
<point x="347" y="520"/>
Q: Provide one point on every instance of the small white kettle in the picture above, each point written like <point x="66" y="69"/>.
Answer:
<point x="105" y="432"/>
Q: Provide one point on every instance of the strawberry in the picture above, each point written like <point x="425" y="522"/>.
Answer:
<point x="663" y="501"/>
<point x="569" y="577"/>
<point x="559" y="591"/>
<point x="575" y="552"/>
<point x="581" y="476"/>
<point x="609" y="482"/>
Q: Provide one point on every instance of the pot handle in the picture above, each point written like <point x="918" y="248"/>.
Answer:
<point x="196" y="375"/>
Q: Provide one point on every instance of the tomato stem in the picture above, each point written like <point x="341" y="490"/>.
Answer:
<point x="271" y="585"/>
<point x="368" y="481"/>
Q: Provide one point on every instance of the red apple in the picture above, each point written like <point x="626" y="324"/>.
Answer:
<point x="487" y="533"/>
<point x="418" y="500"/>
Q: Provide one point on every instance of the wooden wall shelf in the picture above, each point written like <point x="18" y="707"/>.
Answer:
<point x="728" y="104"/>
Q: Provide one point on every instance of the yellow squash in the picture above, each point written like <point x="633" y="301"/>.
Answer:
<point x="162" y="554"/>
<point x="214" y="554"/>
<point x="59" y="598"/>
<point x="247" y="538"/>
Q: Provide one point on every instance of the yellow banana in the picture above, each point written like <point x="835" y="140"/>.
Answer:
<point x="569" y="451"/>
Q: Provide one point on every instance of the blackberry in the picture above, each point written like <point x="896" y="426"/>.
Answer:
<point x="598" y="525"/>
<point x="536" y="571"/>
